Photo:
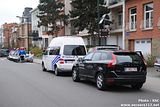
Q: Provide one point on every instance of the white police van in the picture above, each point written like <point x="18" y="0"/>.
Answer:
<point x="62" y="52"/>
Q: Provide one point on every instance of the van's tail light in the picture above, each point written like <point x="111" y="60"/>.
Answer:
<point x="61" y="61"/>
<point x="112" y="63"/>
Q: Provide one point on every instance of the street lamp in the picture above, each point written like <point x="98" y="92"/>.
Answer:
<point x="27" y="18"/>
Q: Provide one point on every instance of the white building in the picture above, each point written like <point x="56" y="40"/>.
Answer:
<point x="40" y="39"/>
<point x="117" y="15"/>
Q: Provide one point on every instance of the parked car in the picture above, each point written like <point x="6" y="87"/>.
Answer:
<point x="157" y="64"/>
<point x="4" y="52"/>
<point x="107" y="47"/>
<point x="111" y="68"/>
<point x="10" y="56"/>
<point x="62" y="53"/>
<point x="14" y="56"/>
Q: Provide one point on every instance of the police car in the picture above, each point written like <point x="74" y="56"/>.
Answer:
<point x="62" y="52"/>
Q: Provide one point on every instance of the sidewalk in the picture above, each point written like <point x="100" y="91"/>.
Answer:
<point x="151" y="71"/>
<point x="37" y="60"/>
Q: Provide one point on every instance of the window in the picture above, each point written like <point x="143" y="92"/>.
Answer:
<point x="96" y="57"/>
<point x="148" y="41"/>
<point x="120" y="19"/>
<point x="133" y="19"/>
<point x="46" y="52"/>
<point x="129" y="58"/>
<point x="148" y="15"/>
<point x="88" y="57"/>
<point x="142" y="41"/>
<point x="54" y="51"/>
<point x="74" y="50"/>
<point x="106" y="56"/>
<point x="137" y="42"/>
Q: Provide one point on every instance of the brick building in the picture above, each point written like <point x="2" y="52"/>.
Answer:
<point x="143" y="26"/>
<point x="7" y="32"/>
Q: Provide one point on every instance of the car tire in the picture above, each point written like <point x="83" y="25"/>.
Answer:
<point x="17" y="60"/>
<point x="75" y="75"/>
<point x="137" y="86"/>
<point x="100" y="82"/>
<point x="57" y="73"/>
<point x="43" y="67"/>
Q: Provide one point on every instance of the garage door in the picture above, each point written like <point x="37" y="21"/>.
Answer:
<point x="143" y="45"/>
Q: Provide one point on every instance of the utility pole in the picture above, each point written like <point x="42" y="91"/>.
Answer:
<point x="98" y="21"/>
<point x="8" y="37"/>
<point x="28" y="33"/>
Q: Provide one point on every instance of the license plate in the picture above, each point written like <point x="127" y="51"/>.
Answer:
<point x="130" y="69"/>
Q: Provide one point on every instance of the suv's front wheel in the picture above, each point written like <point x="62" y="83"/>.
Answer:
<point x="100" y="82"/>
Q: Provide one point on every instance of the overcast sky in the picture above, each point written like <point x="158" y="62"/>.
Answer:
<point x="9" y="9"/>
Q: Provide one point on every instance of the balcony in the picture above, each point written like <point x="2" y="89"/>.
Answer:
<point x="115" y="3"/>
<point x="116" y="27"/>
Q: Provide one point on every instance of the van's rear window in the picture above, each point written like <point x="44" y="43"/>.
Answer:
<point x="74" y="50"/>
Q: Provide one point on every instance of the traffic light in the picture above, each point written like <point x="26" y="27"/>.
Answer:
<point x="105" y="25"/>
<point x="105" y="20"/>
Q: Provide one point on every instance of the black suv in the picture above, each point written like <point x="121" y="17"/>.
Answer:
<point x="111" y="68"/>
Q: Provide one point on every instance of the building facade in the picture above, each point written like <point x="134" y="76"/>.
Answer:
<point x="24" y="29"/>
<point x="38" y="38"/>
<point x="117" y="16"/>
<point x="7" y="34"/>
<point x="143" y="26"/>
<point x="117" y="34"/>
<point x="1" y="37"/>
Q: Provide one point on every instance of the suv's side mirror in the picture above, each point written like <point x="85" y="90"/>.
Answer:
<point x="44" y="52"/>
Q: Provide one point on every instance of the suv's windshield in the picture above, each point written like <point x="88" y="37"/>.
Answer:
<point x="129" y="57"/>
<point x="74" y="50"/>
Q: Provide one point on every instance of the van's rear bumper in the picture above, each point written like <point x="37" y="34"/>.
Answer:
<point x="65" y="67"/>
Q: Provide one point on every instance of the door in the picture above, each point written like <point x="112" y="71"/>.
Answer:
<point x="143" y="45"/>
<point x="45" y="58"/>
<point x="91" y="67"/>
<point x="53" y="57"/>
<point x="83" y="64"/>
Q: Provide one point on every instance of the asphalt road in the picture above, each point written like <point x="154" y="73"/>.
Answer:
<point x="26" y="85"/>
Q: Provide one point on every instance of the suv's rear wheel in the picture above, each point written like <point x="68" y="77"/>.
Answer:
<point x="43" y="67"/>
<point x="137" y="86"/>
<point x="100" y="83"/>
<point x="75" y="75"/>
